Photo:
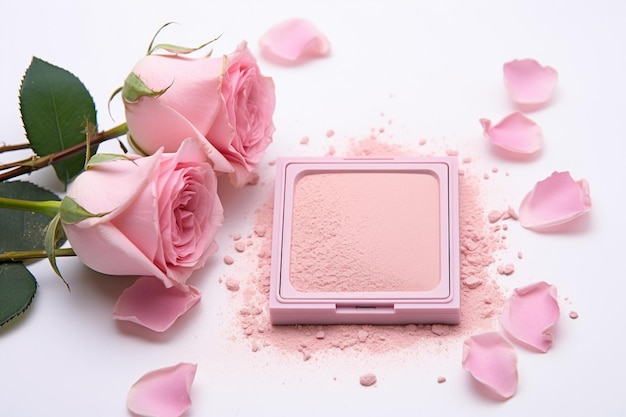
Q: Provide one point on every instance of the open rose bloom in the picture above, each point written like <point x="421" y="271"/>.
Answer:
<point x="223" y="100"/>
<point x="162" y="215"/>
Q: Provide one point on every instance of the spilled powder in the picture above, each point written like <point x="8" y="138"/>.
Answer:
<point x="481" y="297"/>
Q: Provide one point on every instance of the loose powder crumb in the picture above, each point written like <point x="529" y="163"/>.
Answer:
<point x="507" y="269"/>
<point x="367" y="380"/>
<point x="330" y="133"/>
<point x="441" y="380"/>
<point x="306" y="355"/>
<point x="494" y="216"/>
<point x="228" y="260"/>
<point x="304" y="140"/>
<point x="240" y="246"/>
<point x="440" y="329"/>
<point x="512" y="214"/>
<point x="573" y="315"/>
<point x="232" y="284"/>
<point x="362" y="335"/>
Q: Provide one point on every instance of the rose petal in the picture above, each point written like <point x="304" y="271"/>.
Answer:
<point x="553" y="201"/>
<point x="492" y="361"/>
<point x="149" y="303"/>
<point x="530" y="314"/>
<point x="167" y="129"/>
<point x="293" y="42"/>
<point x="515" y="133"/>
<point x="163" y="392"/>
<point x="529" y="84"/>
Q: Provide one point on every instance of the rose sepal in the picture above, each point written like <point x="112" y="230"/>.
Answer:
<point x="175" y="49"/>
<point x="134" y="89"/>
<point x="70" y="212"/>
<point x="178" y="49"/>
<point x="53" y="232"/>
<point x="105" y="157"/>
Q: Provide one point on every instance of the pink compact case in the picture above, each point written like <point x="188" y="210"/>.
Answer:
<point x="371" y="241"/>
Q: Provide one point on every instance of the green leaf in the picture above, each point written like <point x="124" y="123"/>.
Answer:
<point x="17" y="290"/>
<point x="23" y="230"/>
<point x="58" y="112"/>
<point x="71" y="212"/>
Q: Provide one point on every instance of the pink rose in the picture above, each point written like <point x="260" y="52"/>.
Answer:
<point x="162" y="214"/>
<point x="224" y="100"/>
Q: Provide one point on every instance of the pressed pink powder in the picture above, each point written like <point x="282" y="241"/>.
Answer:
<point x="364" y="231"/>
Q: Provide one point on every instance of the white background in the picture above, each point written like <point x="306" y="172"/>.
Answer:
<point x="434" y="69"/>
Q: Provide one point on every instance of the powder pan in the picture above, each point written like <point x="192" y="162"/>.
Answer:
<point x="365" y="241"/>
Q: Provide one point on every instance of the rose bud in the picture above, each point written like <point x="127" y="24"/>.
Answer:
<point x="224" y="100"/>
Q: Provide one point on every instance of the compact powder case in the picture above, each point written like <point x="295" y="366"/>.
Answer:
<point x="365" y="240"/>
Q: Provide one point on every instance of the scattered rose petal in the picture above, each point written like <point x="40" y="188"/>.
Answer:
<point x="553" y="201"/>
<point x="530" y="314"/>
<point x="529" y="84"/>
<point x="515" y="133"/>
<point x="293" y="42"/>
<point x="492" y="361"/>
<point x="163" y="392"/>
<point x="147" y="302"/>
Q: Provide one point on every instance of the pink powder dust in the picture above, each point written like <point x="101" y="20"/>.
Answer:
<point x="349" y="232"/>
<point x="481" y="297"/>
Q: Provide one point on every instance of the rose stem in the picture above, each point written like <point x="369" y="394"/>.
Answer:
<point x="40" y="162"/>
<point x="49" y="208"/>
<point x="9" y="148"/>
<point x="20" y="255"/>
